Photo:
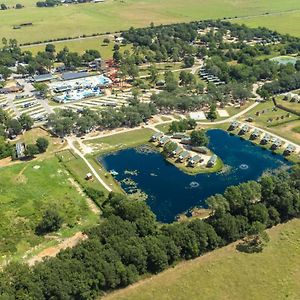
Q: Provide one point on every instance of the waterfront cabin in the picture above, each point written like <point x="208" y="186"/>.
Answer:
<point x="234" y="125"/>
<point x="184" y="156"/>
<point x="266" y="139"/>
<point x="277" y="144"/>
<point x="244" y="129"/>
<point x="163" y="140"/>
<point x="20" y="150"/>
<point x="289" y="149"/>
<point x="155" y="137"/>
<point x="200" y="149"/>
<point x="177" y="151"/>
<point x="194" y="160"/>
<point x="212" y="161"/>
<point x="255" y="134"/>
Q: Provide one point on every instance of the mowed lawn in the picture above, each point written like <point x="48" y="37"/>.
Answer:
<point x="120" y="140"/>
<point x="228" y="274"/>
<point x="27" y="190"/>
<point x="89" y="18"/>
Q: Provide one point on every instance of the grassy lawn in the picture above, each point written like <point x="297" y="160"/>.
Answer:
<point x="120" y="141"/>
<point x="27" y="190"/>
<point x="62" y="21"/>
<point x="228" y="274"/>
<point x="290" y="105"/>
<point x="282" y="127"/>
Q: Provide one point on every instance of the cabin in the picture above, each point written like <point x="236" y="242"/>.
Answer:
<point x="234" y="125"/>
<point x="255" y="134"/>
<point x="184" y="156"/>
<point x="185" y="141"/>
<point x="156" y="136"/>
<point x="20" y="150"/>
<point x="289" y="149"/>
<point x="179" y="135"/>
<point x="276" y="144"/>
<point x="200" y="149"/>
<point x="194" y="160"/>
<point x="266" y="139"/>
<point x="163" y="140"/>
<point x="212" y="161"/>
<point x="244" y="129"/>
<point x="177" y="151"/>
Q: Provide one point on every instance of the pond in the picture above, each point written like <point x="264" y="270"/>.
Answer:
<point x="171" y="192"/>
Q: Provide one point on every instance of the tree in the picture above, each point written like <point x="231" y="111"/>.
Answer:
<point x="153" y="73"/>
<point x="14" y="127"/>
<point x="3" y="6"/>
<point x="106" y="41"/>
<point x="50" y="48"/>
<point x="31" y="150"/>
<point x="42" y="88"/>
<point x="50" y="222"/>
<point x="42" y="144"/>
<point x="199" y="138"/>
<point x="19" y="6"/>
<point x="188" y="61"/>
<point x="212" y="114"/>
<point x="26" y="121"/>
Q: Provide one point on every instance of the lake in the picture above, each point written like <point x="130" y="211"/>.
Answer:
<point x="170" y="191"/>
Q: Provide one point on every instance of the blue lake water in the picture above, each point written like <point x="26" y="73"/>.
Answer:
<point x="170" y="191"/>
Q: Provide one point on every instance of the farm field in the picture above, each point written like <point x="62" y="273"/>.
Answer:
<point x="228" y="274"/>
<point x="27" y="190"/>
<point x="287" y="22"/>
<point x="62" y="21"/>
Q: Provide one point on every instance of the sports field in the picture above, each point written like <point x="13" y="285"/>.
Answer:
<point x="75" y="20"/>
<point x="228" y="274"/>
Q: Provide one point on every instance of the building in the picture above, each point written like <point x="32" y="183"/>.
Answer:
<point x="177" y="151"/>
<point x="184" y="155"/>
<point x="194" y="160"/>
<point x="20" y="150"/>
<point x="156" y="136"/>
<point x="276" y="144"/>
<point x="74" y="75"/>
<point x="266" y="138"/>
<point x="234" y="125"/>
<point x="289" y="149"/>
<point x="185" y="141"/>
<point x="200" y="149"/>
<point x="42" y="78"/>
<point x="244" y="129"/>
<point x="62" y="88"/>
<point x="255" y="134"/>
<point x="163" y="140"/>
<point x="212" y="161"/>
<point x="179" y="135"/>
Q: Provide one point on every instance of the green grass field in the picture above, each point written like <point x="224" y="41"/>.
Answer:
<point x="120" y="141"/>
<point x="27" y="190"/>
<point x="76" y="20"/>
<point x="228" y="274"/>
<point x="287" y="22"/>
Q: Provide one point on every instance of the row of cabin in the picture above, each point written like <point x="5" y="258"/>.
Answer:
<point x="276" y="142"/>
<point x="209" y="77"/>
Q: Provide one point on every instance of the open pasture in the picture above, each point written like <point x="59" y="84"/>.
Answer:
<point x="76" y="20"/>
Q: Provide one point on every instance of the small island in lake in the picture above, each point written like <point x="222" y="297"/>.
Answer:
<point x="188" y="152"/>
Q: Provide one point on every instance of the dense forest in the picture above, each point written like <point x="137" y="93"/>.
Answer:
<point x="129" y="242"/>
